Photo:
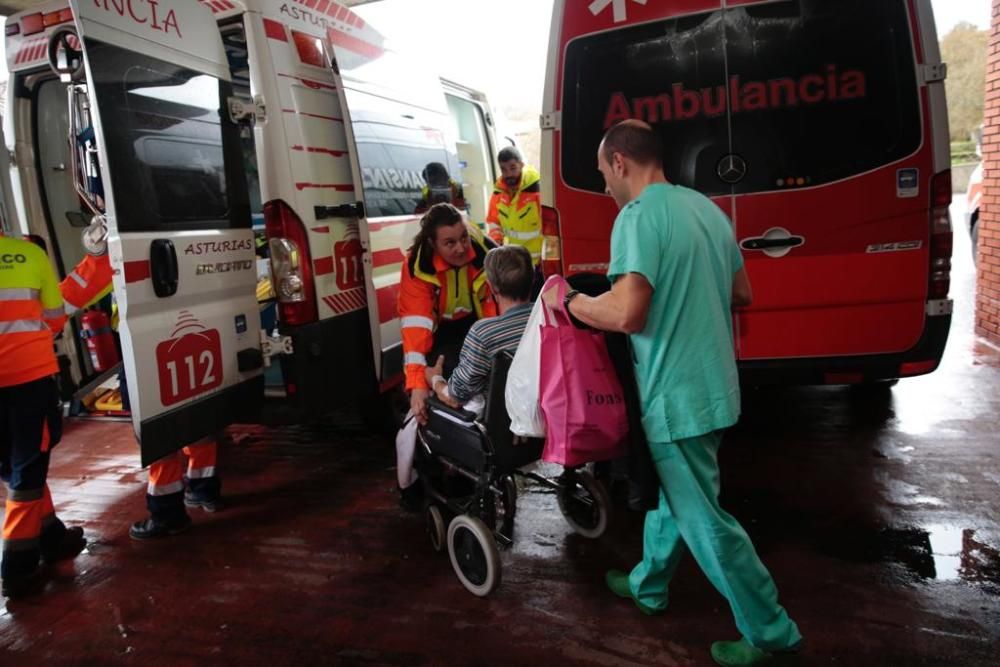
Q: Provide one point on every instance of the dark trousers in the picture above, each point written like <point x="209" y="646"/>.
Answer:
<point x="448" y="340"/>
<point x="30" y="426"/>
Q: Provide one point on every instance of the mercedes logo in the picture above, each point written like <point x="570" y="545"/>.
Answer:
<point x="732" y="169"/>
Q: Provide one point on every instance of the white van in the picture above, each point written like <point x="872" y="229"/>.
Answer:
<point x="207" y="116"/>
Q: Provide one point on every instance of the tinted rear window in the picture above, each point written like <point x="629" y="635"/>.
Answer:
<point x="819" y="90"/>
<point x="395" y="144"/>
<point x="609" y="74"/>
<point x="166" y="143"/>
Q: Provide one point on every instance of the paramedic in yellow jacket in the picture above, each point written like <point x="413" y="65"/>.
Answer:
<point x="442" y="291"/>
<point x="31" y="315"/>
<point x="515" y="211"/>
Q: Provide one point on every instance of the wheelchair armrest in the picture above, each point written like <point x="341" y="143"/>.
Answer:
<point x="457" y="413"/>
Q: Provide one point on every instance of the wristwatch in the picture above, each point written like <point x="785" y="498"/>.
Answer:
<point x="569" y="297"/>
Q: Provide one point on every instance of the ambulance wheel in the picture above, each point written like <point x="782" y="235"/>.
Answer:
<point x="474" y="555"/>
<point x="435" y="527"/>
<point x="584" y="503"/>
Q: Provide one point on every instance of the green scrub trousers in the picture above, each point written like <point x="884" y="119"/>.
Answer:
<point x="689" y="514"/>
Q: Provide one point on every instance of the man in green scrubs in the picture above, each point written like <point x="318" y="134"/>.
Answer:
<point x="677" y="272"/>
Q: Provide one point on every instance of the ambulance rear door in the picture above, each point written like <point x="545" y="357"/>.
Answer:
<point x="178" y="217"/>
<point x="397" y="123"/>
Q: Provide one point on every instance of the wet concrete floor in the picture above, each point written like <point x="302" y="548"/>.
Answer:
<point x="877" y="514"/>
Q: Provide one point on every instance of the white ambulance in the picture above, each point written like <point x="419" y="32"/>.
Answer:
<point x="178" y="123"/>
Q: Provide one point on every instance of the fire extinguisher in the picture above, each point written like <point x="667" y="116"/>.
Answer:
<point x="99" y="339"/>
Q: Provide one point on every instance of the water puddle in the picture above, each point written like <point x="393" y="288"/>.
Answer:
<point x="936" y="552"/>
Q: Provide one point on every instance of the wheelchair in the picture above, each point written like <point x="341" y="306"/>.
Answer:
<point x="468" y="466"/>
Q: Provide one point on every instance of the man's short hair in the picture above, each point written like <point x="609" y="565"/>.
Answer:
<point x="509" y="153"/>
<point x="635" y="140"/>
<point x="511" y="272"/>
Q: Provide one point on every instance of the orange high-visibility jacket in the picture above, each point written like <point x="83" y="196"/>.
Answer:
<point x="31" y="312"/>
<point x="89" y="281"/>
<point x="515" y="217"/>
<point x="432" y="290"/>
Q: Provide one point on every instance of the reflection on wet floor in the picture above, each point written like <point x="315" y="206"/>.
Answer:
<point x="934" y="553"/>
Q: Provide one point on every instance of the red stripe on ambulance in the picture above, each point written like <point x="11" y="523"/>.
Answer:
<point x="389" y="257"/>
<point x="314" y="115"/>
<point x="323" y="265"/>
<point x="318" y="149"/>
<point x="352" y="43"/>
<point x="137" y="270"/>
<point x="275" y="30"/>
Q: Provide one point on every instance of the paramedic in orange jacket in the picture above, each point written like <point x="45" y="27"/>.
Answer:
<point x="31" y="314"/>
<point x="87" y="283"/>
<point x="515" y="210"/>
<point x="442" y="291"/>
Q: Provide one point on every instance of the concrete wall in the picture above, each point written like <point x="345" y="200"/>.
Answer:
<point x="988" y="262"/>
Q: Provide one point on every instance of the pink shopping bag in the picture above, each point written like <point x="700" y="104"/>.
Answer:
<point x="579" y="392"/>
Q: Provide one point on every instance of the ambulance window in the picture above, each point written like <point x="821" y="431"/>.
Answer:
<point x="811" y="107"/>
<point x="474" y="154"/>
<point x="395" y="143"/>
<point x="655" y="71"/>
<point x="166" y="151"/>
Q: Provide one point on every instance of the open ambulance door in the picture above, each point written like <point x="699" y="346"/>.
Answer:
<point x="397" y="123"/>
<point x="178" y="218"/>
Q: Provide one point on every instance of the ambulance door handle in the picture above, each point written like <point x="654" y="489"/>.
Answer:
<point x="163" y="267"/>
<point x="764" y="244"/>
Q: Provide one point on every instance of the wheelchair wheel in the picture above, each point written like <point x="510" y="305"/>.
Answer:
<point x="499" y="509"/>
<point x="474" y="555"/>
<point x="435" y="527"/>
<point x="584" y="503"/>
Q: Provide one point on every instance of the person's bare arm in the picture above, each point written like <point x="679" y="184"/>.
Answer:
<point x="623" y="309"/>
<point x="742" y="293"/>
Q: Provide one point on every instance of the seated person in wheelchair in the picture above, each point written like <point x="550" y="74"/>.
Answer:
<point x="510" y="272"/>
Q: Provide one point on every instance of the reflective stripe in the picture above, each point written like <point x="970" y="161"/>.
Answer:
<point x="20" y="294"/>
<point x="415" y="358"/>
<point x="524" y="236"/>
<point x="201" y="473"/>
<point x="26" y="495"/>
<point x="53" y="313"/>
<point x="165" y="489"/>
<point x="70" y="309"/>
<point x="417" y="321"/>
<point x="77" y="278"/>
<point x="22" y="326"/>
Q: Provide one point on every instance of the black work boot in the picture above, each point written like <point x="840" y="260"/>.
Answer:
<point x="204" y="501"/>
<point x="72" y="543"/>
<point x="150" y="528"/>
<point x="21" y="587"/>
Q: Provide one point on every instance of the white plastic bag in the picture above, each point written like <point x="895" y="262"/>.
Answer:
<point x="521" y="394"/>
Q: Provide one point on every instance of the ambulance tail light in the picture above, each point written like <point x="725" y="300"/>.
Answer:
<point x="291" y="265"/>
<point x="551" y="243"/>
<point x="940" y="245"/>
